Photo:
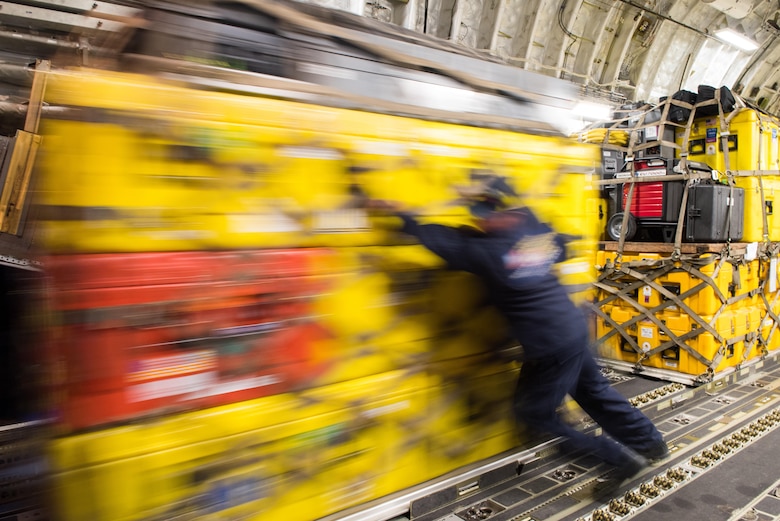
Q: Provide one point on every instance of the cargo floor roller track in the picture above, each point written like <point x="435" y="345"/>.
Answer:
<point x="22" y="471"/>
<point x="724" y="464"/>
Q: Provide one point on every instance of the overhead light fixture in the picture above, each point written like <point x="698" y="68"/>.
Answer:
<point x="736" y="39"/>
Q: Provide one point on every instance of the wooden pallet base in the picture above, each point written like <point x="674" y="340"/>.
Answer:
<point x="667" y="247"/>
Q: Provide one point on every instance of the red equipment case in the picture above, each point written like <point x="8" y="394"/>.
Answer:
<point x="150" y="332"/>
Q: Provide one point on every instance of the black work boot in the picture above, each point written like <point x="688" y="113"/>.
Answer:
<point x="631" y="464"/>
<point x="657" y="451"/>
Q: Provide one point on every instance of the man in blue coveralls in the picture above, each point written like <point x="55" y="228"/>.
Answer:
<point x="514" y="257"/>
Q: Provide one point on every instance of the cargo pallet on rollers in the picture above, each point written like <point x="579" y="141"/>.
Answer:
<point x="704" y="303"/>
<point x="688" y="313"/>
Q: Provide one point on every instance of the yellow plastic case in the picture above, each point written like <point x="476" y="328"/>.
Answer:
<point x="470" y="416"/>
<point x="174" y="168"/>
<point x="755" y="207"/>
<point x="320" y="450"/>
<point x="752" y="140"/>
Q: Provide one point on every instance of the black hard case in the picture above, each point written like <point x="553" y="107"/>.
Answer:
<point x="707" y="216"/>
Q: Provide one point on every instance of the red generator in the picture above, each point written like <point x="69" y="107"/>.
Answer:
<point x="655" y="205"/>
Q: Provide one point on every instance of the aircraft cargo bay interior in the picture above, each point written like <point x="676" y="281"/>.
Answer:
<point x="389" y="260"/>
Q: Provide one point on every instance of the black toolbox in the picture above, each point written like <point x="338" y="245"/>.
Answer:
<point x="707" y="217"/>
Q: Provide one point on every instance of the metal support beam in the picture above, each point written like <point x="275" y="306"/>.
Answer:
<point x="82" y="7"/>
<point x="13" y="14"/>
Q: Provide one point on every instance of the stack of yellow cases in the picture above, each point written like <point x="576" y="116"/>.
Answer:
<point x="752" y="146"/>
<point x="726" y="299"/>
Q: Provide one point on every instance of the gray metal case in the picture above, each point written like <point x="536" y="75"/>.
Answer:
<point x="707" y="216"/>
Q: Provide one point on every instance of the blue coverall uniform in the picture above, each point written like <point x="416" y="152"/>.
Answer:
<point x="515" y="264"/>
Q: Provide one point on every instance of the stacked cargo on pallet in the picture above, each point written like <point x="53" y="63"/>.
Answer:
<point x="702" y="302"/>
<point x="237" y="336"/>
<point x="699" y="314"/>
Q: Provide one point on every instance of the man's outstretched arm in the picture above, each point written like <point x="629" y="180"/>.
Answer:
<point x="445" y="241"/>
